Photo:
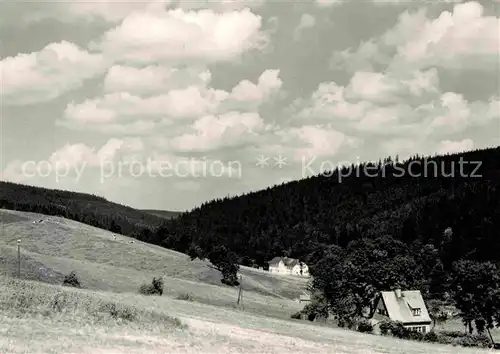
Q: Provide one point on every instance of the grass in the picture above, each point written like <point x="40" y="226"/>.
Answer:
<point x="196" y="314"/>
<point x="45" y="318"/>
<point x="56" y="246"/>
<point x="83" y="323"/>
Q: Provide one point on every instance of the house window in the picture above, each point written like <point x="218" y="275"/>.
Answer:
<point x="416" y="312"/>
<point x="418" y="329"/>
<point x="382" y="312"/>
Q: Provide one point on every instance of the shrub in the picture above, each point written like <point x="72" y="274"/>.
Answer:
<point x="365" y="327"/>
<point x="454" y="334"/>
<point x="478" y="341"/>
<point x="72" y="280"/>
<point x="431" y="337"/>
<point x="119" y="312"/>
<point x="158" y="285"/>
<point x="414" y="335"/>
<point x="155" y="288"/>
<point x="296" y="316"/>
<point x="185" y="297"/>
<point x="399" y="331"/>
<point x="385" y="327"/>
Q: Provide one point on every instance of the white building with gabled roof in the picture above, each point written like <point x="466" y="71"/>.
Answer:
<point x="288" y="266"/>
<point x="407" y="307"/>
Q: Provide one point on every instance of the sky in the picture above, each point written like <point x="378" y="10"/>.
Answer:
<point x="168" y="104"/>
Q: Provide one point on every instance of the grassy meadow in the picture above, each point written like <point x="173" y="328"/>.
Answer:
<point x="38" y="315"/>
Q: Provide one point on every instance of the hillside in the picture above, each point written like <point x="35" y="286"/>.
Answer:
<point x="89" y="209"/>
<point x="413" y="201"/>
<point x="166" y="325"/>
<point x="163" y="213"/>
<point x="106" y="261"/>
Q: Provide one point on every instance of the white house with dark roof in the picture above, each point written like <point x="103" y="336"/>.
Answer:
<point x="288" y="266"/>
<point x="407" y="307"/>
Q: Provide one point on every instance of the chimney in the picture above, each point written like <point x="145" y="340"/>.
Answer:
<point x="397" y="292"/>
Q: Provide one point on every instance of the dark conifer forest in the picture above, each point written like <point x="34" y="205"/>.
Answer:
<point x="428" y="223"/>
<point x="300" y="218"/>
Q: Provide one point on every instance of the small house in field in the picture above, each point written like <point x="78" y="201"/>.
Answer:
<point x="288" y="266"/>
<point x="407" y="307"/>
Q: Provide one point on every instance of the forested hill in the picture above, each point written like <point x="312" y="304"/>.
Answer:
<point x="86" y="208"/>
<point x="163" y="213"/>
<point x="300" y="218"/>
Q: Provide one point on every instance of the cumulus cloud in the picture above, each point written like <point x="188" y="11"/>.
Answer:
<point x="328" y="3"/>
<point x="306" y="21"/>
<point x="450" y="147"/>
<point x="47" y="74"/>
<point x="227" y="130"/>
<point x="110" y="11"/>
<point x="70" y="160"/>
<point x="178" y="35"/>
<point x="315" y="141"/>
<point x="153" y="79"/>
<point x="367" y="96"/>
<point x="462" y="38"/>
<point x="192" y="101"/>
<point x="409" y="112"/>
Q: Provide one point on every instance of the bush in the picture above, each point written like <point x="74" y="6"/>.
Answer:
<point x="399" y="331"/>
<point x="158" y="285"/>
<point x="477" y="341"/>
<point x="365" y="327"/>
<point x="119" y="312"/>
<point x="431" y="337"/>
<point x="185" y="297"/>
<point x="385" y="327"/>
<point x="454" y="334"/>
<point x="72" y="280"/>
<point x="296" y="316"/>
<point x="414" y="336"/>
<point x="155" y="288"/>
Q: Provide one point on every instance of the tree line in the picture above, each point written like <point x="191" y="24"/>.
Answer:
<point x="433" y="227"/>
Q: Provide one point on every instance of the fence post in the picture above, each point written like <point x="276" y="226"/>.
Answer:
<point x="19" y="258"/>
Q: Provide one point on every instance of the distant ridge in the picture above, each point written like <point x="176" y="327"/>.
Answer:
<point x="163" y="213"/>
<point x="86" y="208"/>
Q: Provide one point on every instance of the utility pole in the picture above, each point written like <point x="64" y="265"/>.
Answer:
<point x="19" y="258"/>
<point x="240" y="292"/>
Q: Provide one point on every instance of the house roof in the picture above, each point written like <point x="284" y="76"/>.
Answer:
<point x="289" y="262"/>
<point x="399" y="309"/>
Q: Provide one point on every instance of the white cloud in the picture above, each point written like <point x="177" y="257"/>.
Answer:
<point x="268" y="84"/>
<point x="74" y="155"/>
<point x="190" y="102"/>
<point x="226" y="130"/>
<point x="111" y="11"/>
<point x="320" y="141"/>
<point x="450" y="147"/>
<point x="47" y="74"/>
<point x="409" y="111"/>
<point x="152" y="79"/>
<point x="71" y="160"/>
<point x="369" y="96"/>
<point x="462" y="38"/>
<point x="183" y="36"/>
<point x="328" y="3"/>
<point x="307" y="21"/>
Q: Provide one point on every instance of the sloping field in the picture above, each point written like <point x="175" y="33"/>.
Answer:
<point x="81" y="323"/>
<point x="109" y="262"/>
